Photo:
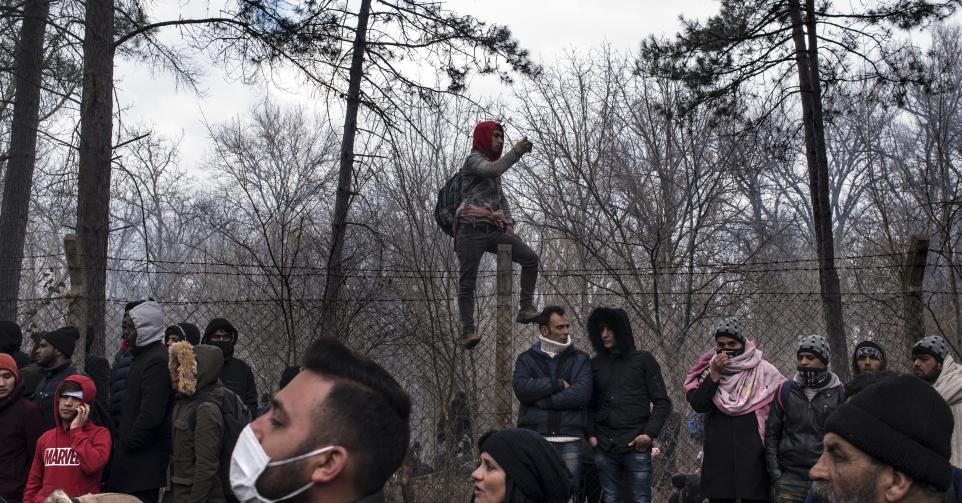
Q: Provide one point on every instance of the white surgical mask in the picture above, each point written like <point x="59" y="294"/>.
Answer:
<point x="249" y="461"/>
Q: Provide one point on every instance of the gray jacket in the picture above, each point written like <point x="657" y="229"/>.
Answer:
<point x="481" y="182"/>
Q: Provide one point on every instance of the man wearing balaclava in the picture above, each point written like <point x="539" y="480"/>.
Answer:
<point x="483" y="221"/>
<point x="796" y="420"/>
<point x="236" y="374"/>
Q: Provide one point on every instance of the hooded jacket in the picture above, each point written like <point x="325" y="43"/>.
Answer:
<point x="69" y="459"/>
<point x="546" y="406"/>
<point x="794" y="430"/>
<point x="236" y="375"/>
<point x="629" y="397"/>
<point x="143" y="448"/>
<point x="11" y="338"/>
<point x="949" y="386"/>
<point x="482" y="170"/>
<point x="20" y="427"/>
<point x="198" y="424"/>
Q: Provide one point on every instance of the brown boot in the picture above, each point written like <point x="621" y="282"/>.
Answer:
<point x="527" y="314"/>
<point x="470" y="338"/>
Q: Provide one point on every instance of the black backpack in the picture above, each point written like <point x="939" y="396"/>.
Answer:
<point x="449" y="198"/>
<point x="236" y="418"/>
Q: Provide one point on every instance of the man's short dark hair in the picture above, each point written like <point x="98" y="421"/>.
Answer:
<point x="544" y="319"/>
<point x="131" y="305"/>
<point x="367" y="412"/>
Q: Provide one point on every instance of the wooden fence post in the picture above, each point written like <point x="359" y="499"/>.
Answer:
<point x="912" y="275"/>
<point x="76" y="298"/>
<point x="502" y="351"/>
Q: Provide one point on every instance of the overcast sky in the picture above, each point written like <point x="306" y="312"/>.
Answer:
<point x="546" y="28"/>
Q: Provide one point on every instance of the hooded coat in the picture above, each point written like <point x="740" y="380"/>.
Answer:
<point x="629" y="397"/>
<point x="143" y="448"/>
<point x="11" y="338"/>
<point x="236" y="375"/>
<point x="20" y="427"/>
<point x="69" y="459"/>
<point x="198" y="425"/>
<point x="482" y="170"/>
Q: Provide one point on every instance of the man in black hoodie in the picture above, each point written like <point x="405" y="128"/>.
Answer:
<point x="53" y="354"/>
<point x="11" y="338"/>
<point x="628" y="408"/>
<point x="236" y="374"/>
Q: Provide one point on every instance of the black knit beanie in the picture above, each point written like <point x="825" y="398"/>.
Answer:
<point x="186" y="331"/>
<point x="913" y="437"/>
<point x="870" y="348"/>
<point x="534" y="470"/>
<point x="63" y="339"/>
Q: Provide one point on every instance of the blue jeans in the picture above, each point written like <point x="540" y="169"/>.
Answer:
<point x="571" y="455"/>
<point x="624" y="477"/>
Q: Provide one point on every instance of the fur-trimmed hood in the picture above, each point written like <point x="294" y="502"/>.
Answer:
<point x="194" y="368"/>
<point x="617" y="320"/>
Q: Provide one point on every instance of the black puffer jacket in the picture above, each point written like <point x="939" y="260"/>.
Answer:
<point x="629" y="397"/>
<point x="546" y="406"/>
<point x="118" y="382"/>
<point x="795" y="427"/>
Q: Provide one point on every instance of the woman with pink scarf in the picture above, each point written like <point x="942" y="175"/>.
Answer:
<point x="733" y="386"/>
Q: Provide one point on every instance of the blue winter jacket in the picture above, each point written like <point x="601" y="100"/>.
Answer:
<point x="546" y="406"/>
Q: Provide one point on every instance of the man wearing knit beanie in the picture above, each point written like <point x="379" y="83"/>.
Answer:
<point x="928" y="356"/>
<point x="20" y="427"/>
<point x="868" y="357"/>
<point x="796" y="420"/>
<point x="875" y="452"/>
<point x="53" y="354"/>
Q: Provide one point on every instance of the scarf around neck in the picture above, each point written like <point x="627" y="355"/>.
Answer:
<point x="748" y="386"/>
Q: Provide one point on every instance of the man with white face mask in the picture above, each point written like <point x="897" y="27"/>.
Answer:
<point x="335" y="433"/>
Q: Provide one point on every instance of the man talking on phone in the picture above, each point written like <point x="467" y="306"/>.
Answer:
<point x="71" y="456"/>
<point x="483" y="221"/>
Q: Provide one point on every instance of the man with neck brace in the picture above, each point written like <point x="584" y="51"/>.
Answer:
<point x="796" y="420"/>
<point x="552" y="380"/>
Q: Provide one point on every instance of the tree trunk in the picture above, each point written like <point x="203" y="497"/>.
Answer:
<point x="18" y="182"/>
<point x="93" y="181"/>
<point x="330" y="325"/>
<point x="817" y="159"/>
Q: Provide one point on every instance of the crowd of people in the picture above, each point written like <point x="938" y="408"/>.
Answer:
<point x="177" y="420"/>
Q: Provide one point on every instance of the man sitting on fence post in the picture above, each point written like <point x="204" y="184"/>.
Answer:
<point x="796" y="420"/>
<point x="552" y="381"/>
<point x="868" y="357"/>
<point x="483" y="221"/>
<point x="335" y="434"/>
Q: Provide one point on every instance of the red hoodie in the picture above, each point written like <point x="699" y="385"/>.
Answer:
<point x="481" y="139"/>
<point x="70" y="460"/>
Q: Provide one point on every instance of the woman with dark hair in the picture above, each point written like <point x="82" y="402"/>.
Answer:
<point x="519" y="466"/>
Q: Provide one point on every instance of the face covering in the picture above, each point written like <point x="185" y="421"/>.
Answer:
<point x="732" y="353"/>
<point x="249" y="461"/>
<point x="814" y="378"/>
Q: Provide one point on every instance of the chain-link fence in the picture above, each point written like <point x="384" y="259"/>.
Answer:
<point x="408" y="323"/>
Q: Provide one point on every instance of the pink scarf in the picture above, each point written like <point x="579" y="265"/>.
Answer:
<point x="749" y="385"/>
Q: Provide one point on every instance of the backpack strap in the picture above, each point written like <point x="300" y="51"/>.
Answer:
<point x="784" y="390"/>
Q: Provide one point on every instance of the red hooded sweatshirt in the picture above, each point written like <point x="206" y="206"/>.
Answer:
<point x="70" y="460"/>
<point x="481" y="140"/>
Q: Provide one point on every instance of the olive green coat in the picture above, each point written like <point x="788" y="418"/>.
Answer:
<point x="193" y="473"/>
